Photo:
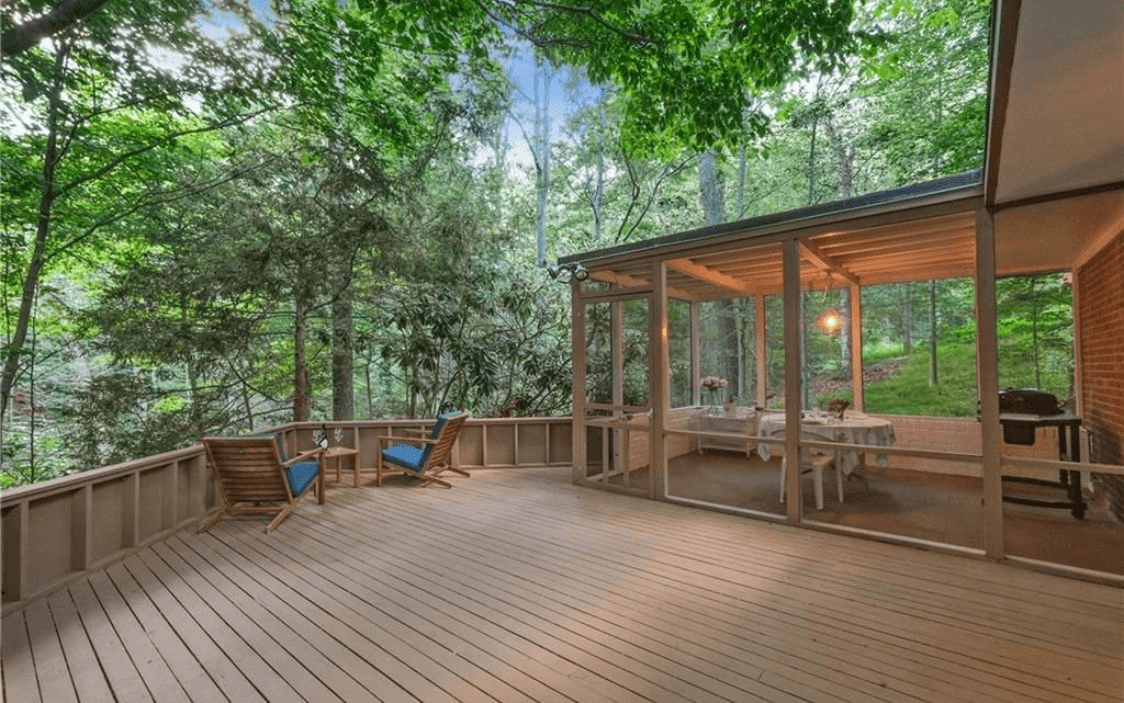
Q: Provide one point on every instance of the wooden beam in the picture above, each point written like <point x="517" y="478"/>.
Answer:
<point x="709" y="275"/>
<point x="856" y="321"/>
<point x="577" y="356"/>
<point x="760" y="346"/>
<point x="617" y="378"/>
<point x="625" y="280"/>
<point x="792" y="391"/>
<point x="987" y="370"/>
<point x="619" y="279"/>
<point x="826" y="263"/>
<point x="659" y="382"/>
<point x="696" y="354"/>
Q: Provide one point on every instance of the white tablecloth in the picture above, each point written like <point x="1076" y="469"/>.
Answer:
<point x="857" y="428"/>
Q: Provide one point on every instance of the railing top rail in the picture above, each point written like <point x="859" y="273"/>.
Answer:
<point x="65" y="484"/>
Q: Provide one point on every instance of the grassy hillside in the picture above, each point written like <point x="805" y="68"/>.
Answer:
<point x="908" y="391"/>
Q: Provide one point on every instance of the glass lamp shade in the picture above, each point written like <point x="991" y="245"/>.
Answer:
<point x="830" y="321"/>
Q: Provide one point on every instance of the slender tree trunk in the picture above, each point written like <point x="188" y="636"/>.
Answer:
<point x="542" y="124"/>
<point x="714" y="212"/>
<point x="247" y="405"/>
<point x="812" y="145"/>
<point x="907" y="317"/>
<point x="844" y="160"/>
<point x="499" y="148"/>
<point x="343" y="368"/>
<point x="14" y="350"/>
<point x="302" y="402"/>
<point x="599" y="189"/>
<point x="932" y="333"/>
<point x="370" y="393"/>
<point x="741" y="181"/>
<point x="1034" y="332"/>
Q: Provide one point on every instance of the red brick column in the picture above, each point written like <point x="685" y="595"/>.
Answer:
<point x="1100" y="325"/>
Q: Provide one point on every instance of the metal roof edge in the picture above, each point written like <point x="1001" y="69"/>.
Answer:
<point x="968" y="184"/>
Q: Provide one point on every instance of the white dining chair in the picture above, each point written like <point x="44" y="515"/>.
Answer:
<point x="814" y="461"/>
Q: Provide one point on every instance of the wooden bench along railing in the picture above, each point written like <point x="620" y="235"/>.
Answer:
<point x="56" y="530"/>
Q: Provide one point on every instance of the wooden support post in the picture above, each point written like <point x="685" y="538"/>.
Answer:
<point x="987" y="369"/>
<point x="792" y="376"/>
<point x="856" y="321"/>
<point x="16" y="535"/>
<point x="659" y="380"/>
<point x="616" y="328"/>
<point x="761" y="342"/>
<point x="577" y="372"/>
<point x="696" y="353"/>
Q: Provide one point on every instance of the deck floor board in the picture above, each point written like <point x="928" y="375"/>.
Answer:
<point x="517" y="586"/>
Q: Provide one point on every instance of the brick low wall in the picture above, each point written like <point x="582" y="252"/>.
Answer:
<point x="961" y="435"/>
<point x="1100" y="325"/>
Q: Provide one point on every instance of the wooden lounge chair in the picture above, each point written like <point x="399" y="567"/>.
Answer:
<point x="429" y="460"/>
<point x="254" y="476"/>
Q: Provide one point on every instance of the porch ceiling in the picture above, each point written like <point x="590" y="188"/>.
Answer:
<point x="867" y="247"/>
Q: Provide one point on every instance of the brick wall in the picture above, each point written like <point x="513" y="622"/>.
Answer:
<point x="1100" y="325"/>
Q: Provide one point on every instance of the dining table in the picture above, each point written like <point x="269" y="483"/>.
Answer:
<point x="852" y="428"/>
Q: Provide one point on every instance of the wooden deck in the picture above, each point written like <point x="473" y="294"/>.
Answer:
<point x="518" y="586"/>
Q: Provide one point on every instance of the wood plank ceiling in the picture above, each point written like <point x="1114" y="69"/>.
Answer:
<point x="942" y="246"/>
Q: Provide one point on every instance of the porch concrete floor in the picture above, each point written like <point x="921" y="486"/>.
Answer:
<point x="924" y="506"/>
<point x="518" y="586"/>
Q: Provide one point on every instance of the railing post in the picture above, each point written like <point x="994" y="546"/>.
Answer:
<point x="81" y="532"/>
<point x="16" y="566"/>
<point x="130" y="516"/>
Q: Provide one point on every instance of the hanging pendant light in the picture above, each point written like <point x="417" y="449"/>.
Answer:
<point x="830" y="321"/>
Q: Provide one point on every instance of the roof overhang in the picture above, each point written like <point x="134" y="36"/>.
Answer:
<point x="916" y="233"/>
<point x="1055" y="160"/>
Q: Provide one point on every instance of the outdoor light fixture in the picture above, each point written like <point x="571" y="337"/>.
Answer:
<point x="564" y="273"/>
<point x="830" y="321"/>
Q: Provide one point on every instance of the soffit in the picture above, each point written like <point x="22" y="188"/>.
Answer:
<point x="1059" y="122"/>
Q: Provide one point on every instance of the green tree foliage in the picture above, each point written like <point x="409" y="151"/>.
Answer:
<point x="176" y="261"/>
<point x="103" y="101"/>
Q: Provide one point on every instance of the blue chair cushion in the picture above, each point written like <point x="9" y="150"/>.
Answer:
<point x="405" y="455"/>
<point x="441" y="420"/>
<point x="301" y="475"/>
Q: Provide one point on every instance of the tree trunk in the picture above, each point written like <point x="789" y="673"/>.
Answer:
<point x="14" y="349"/>
<point x="302" y="402"/>
<point x="343" y="369"/>
<point x="599" y="188"/>
<point x="844" y="160"/>
<point x="907" y="317"/>
<point x="932" y="333"/>
<point x="542" y="125"/>
<point x="714" y="212"/>
<point x="1034" y="333"/>
<point x="741" y="182"/>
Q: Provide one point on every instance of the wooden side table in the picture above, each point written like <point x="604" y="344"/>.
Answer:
<point x="337" y="455"/>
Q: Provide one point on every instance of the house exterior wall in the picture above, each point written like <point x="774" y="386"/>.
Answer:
<point x="1100" y="325"/>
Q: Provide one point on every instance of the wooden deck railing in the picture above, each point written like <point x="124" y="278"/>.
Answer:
<point x="56" y="530"/>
